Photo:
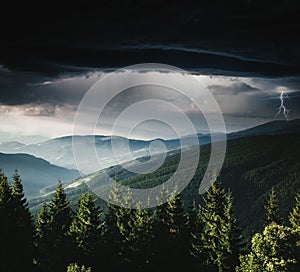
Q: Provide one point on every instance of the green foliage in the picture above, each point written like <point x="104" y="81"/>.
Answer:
<point x="252" y="166"/>
<point x="86" y="229"/>
<point x="56" y="231"/>
<point x="272" y="250"/>
<point x="213" y="217"/>
<point x="76" y="268"/>
<point x="295" y="214"/>
<point x="272" y="210"/>
<point x="15" y="219"/>
<point x="111" y="230"/>
<point x="42" y="223"/>
<point x="23" y="225"/>
<point x="42" y="229"/>
<point x="6" y="223"/>
<point x="231" y="237"/>
<point x="170" y="223"/>
<point x="60" y="212"/>
<point x="140" y="239"/>
<point x="221" y="234"/>
<point x="204" y="237"/>
<point x="195" y="231"/>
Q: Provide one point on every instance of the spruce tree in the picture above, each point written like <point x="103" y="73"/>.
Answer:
<point x="60" y="220"/>
<point x="7" y="223"/>
<point x="140" y="239"/>
<point x="16" y="230"/>
<point x="112" y="236"/>
<point x="295" y="214"/>
<point x="272" y="214"/>
<point x="195" y="230"/>
<point x="161" y="231"/>
<point x="42" y="223"/>
<point x="272" y="250"/>
<point x="295" y="222"/>
<point x="169" y="230"/>
<point x="86" y="230"/>
<point x="125" y="223"/>
<point x="23" y="227"/>
<point x="230" y="238"/>
<point x="213" y="216"/>
<point x="42" y="241"/>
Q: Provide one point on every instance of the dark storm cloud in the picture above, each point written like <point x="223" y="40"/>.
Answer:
<point x="218" y="37"/>
<point x="19" y="88"/>
<point x="234" y="89"/>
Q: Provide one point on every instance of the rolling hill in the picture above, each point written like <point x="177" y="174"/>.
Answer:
<point x="37" y="174"/>
<point x="59" y="151"/>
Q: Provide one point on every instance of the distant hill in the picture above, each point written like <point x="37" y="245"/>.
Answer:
<point x="59" y="151"/>
<point x="36" y="173"/>
<point x="9" y="146"/>
<point x="271" y="128"/>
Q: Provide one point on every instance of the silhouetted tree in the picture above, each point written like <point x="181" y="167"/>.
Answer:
<point x="22" y="229"/>
<point x="60" y="250"/>
<point x="42" y="242"/>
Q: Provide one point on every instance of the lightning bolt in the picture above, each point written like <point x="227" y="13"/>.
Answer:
<point x="282" y="108"/>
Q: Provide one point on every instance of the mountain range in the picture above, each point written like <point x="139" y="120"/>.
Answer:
<point x="59" y="151"/>
<point x="261" y="158"/>
<point x="40" y="176"/>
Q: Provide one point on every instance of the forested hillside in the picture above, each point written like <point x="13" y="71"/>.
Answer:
<point x="253" y="165"/>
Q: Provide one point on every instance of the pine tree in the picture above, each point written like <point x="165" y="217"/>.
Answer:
<point x="272" y="250"/>
<point x="295" y="222"/>
<point x="42" y="241"/>
<point x="59" y="223"/>
<point x="230" y="238"/>
<point x="169" y="230"/>
<point x="23" y="227"/>
<point x="295" y="214"/>
<point x="272" y="209"/>
<point x="16" y="230"/>
<point x="42" y="224"/>
<point x="112" y="237"/>
<point x="86" y="230"/>
<point x="125" y="222"/>
<point x="213" y="216"/>
<point x="7" y="223"/>
<point x="140" y="239"/>
<point x="195" y="230"/>
<point x="161" y="231"/>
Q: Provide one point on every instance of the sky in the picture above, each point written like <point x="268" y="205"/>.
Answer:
<point x="245" y="55"/>
<point x="34" y="105"/>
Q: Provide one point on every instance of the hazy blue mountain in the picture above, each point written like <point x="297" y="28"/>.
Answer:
<point x="30" y="139"/>
<point x="9" y="146"/>
<point x="36" y="173"/>
<point x="59" y="151"/>
<point x="6" y="137"/>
